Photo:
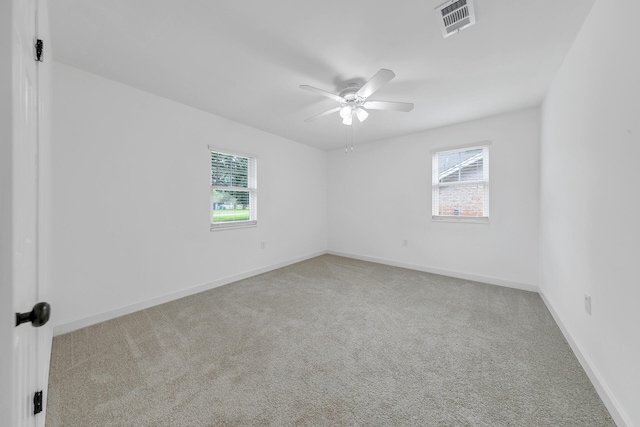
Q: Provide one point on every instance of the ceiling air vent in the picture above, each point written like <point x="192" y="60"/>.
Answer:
<point x="455" y="15"/>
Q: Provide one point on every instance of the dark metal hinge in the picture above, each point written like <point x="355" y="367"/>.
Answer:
<point x="39" y="48"/>
<point x="37" y="402"/>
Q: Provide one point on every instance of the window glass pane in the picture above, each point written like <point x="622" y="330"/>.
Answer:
<point x="460" y="166"/>
<point x="462" y="200"/>
<point x="230" y="205"/>
<point x="472" y="171"/>
<point x="229" y="171"/>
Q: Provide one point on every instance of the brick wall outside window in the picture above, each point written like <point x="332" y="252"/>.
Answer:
<point x="463" y="200"/>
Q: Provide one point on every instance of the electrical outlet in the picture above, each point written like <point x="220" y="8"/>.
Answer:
<point x="405" y="242"/>
<point x="587" y="304"/>
<point x="263" y="245"/>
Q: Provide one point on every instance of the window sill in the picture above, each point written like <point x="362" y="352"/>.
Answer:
<point x="465" y="219"/>
<point x="233" y="225"/>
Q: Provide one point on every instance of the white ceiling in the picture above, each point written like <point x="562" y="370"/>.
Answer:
<point x="244" y="59"/>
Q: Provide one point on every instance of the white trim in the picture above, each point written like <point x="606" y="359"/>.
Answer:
<point x="457" y="274"/>
<point x="453" y="218"/>
<point x="112" y="314"/>
<point x="609" y="400"/>
<point x="462" y="183"/>
<point x="227" y="188"/>
<point x="230" y="152"/>
<point x="232" y="225"/>
<point x="469" y="146"/>
<point x="615" y="409"/>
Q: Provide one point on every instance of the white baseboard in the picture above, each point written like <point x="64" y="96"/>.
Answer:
<point x="601" y="387"/>
<point x="612" y="404"/>
<point x="112" y="314"/>
<point x="450" y="273"/>
<point x="619" y="416"/>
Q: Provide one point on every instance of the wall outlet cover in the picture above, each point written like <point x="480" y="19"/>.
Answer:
<point x="587" y="303"/>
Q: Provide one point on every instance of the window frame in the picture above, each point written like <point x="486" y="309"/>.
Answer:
<point x="436" y="184"/>
<point x="251" y="189"/>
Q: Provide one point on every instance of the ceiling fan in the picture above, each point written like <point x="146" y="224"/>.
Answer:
<point x="353" y="99"/>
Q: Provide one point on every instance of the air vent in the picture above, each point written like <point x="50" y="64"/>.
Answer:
<point x="455" y="15"/>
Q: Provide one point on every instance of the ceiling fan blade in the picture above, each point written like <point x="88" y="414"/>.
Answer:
<point x="381" y="78"/>
<point x="322" y="92"/>
<point x="390" y="106"/>
<point x="326" y="113"/>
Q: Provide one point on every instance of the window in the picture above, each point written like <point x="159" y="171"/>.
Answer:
<point x="233" y="190"/>
<point x="461" y="184"/>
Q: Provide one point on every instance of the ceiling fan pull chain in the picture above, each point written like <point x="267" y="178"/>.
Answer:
<point x="351" y="138"/>
<point x="346" y="139"/>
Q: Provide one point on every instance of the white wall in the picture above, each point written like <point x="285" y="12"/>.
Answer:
<point x="380" y="194"/>
<point x="590" y="194"/>
<point x="130" y="211"/>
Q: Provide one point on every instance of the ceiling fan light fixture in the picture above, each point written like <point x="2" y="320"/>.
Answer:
<point x="347" y="120"/>
<point x="345" y="111"/>
<point x="362" y="114"/>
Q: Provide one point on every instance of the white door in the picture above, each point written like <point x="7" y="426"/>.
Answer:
<point x="31" y="345"/>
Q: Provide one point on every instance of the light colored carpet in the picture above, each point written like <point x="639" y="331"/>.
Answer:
<point x="328" y="341"/>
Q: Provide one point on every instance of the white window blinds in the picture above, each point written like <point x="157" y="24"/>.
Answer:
<point x="461" y="184"/>
<point x="233" y="190"/>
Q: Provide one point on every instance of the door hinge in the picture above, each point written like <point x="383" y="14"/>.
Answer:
<point x="37" y="402"/>
<point x="39" y="48"/>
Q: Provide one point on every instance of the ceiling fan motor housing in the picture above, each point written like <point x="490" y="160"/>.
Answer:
<point x="349" y="93"/>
